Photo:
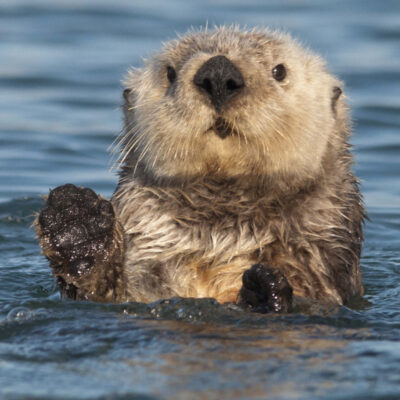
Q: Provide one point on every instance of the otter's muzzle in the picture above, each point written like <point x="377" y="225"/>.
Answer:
<point x="219" y="79"/>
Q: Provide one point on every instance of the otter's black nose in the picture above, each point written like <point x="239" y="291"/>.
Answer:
<point x="219" y="79"/>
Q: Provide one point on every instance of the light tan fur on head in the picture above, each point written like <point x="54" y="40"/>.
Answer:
<point x="281" y="129"/>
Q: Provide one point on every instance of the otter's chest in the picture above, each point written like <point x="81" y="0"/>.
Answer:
<point x="194" y="256"/>
<point x="163" y="228"/>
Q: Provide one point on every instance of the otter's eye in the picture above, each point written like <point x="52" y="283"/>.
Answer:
<point x="279" y="72"/>
<point x="171" y="74"/>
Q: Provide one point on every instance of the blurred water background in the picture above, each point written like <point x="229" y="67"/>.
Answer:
<point x="61" y="62"/>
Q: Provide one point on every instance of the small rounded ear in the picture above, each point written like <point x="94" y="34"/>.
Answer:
<point x="126" y="94"/>
<point x="336" y="92"/>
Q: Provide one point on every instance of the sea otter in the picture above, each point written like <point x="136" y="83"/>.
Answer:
<point x="235" y="183"/>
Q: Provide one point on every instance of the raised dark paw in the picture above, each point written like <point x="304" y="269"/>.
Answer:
<point x="76" y="229"/>
<point x="265" y="289"/>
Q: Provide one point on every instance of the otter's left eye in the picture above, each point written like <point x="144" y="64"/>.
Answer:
<point x="279" y="72"/>
<point x="171" y="74"/>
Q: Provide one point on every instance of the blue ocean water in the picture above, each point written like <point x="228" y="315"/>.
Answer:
<point x="61" y="63"/>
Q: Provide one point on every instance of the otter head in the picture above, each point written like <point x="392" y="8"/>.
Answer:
<point x="232" y="104"/>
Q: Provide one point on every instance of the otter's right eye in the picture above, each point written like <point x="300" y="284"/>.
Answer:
<point x="279" y="72"/>
<point x="171" y="74"/>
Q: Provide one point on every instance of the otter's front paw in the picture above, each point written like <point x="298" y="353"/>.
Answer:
<point x="79" y="235"/>
<point x="265" y="289"/>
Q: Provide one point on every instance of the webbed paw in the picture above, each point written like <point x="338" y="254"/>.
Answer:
<point x="77" y="230"/>
<point x="265" y="289"/>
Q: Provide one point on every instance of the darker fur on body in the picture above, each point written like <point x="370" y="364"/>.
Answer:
<point x="191" y="220"/>
<point x="289" y="231"/>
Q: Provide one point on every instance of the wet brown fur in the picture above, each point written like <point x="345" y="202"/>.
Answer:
<point x="198" y="210"/>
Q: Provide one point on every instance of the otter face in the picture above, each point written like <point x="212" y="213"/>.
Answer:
<point x="231" y="103"/>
